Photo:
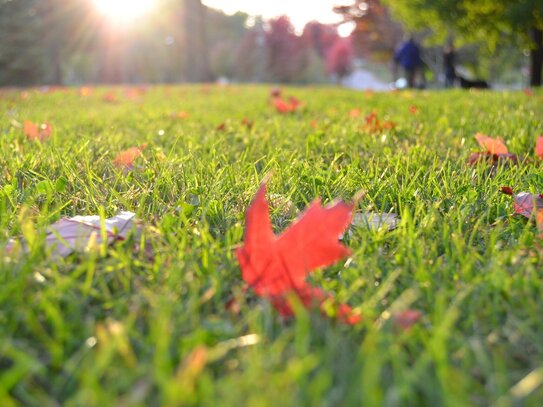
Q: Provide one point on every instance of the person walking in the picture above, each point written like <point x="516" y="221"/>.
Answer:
<point x="408" y="57"/>
<point x="449" y="63"/>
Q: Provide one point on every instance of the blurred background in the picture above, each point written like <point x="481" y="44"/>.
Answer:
<point x="352" y="42"/>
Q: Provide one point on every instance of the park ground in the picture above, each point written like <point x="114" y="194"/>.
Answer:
<point x="150" y="321"/>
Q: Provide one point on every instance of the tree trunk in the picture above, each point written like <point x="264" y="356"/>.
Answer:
<point x="536" y="57"/>
<point x="196" y="45"/>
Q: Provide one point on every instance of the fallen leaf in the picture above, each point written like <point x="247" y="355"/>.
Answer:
<point x="354" y="113"/>
<point x="406" y="319"/>
<point x="282" y="106"/>
<point x="539" y="147"/>
<point x="110" y="97"/>
<point x="180" y="115"/>
<point x="492" y="145"/>
<point x="277" y="266"/>
<point x="275" y="93"/>
<point x="375" y="125"/>
<point x="539" y="221"/>
<point x="125" y="159"/>
<point x="247" y="123"/>
<point x="525" y="204"/>
<point x="75" y="234"/>
<point x="496" y="152"/>
<point x="37" y="132"/>
<point x="85" y="91"/>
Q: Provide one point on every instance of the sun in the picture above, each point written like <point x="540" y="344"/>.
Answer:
<point x="124" y="10"/>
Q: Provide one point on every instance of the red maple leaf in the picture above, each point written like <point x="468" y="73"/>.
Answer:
<point x="276" y="266"/>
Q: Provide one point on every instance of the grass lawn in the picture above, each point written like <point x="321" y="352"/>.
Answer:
<point x="118" y="326"/>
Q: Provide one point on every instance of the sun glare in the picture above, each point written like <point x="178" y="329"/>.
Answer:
<point x="124" y="10"/>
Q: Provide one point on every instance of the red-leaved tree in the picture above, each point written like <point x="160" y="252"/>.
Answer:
<point x="339" y="59"/>
<point x="287" y="54"/>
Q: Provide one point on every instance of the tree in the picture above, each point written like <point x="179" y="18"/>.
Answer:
<point x="375" y="35"/>
<point x="196" y="42"/>
<point x="490" y="21"/>
<point x="287" y="56"/>
<point x="251" y="54"/>
<point x="22" y="57"/>
<point x="321" y="37"/>
<point x="225" y="34"/>
<point x="339" y="60"/>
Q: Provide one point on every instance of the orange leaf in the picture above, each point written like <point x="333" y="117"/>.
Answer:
<point x="539" y="221"/>
<point x="126" y="158"/>
<point x="110" y="97"/>
<point x="85" y="91"/>
<point x="492" y="145"/>
<point x="282" y="107"/>
<point x="180" y="115"/>
<point x="275" y="266"/>
<point x="37" y="132"/>
<point x="354" y="113"/>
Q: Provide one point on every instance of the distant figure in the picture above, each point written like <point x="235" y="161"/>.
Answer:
<point x="449" y="63"/>
<point x="408" y="57"/>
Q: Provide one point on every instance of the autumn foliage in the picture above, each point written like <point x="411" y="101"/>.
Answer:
<point x="276" y="267"/>
<point x="37" y="132"/>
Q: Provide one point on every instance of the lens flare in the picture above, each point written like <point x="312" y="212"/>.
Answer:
<point x="124" y="11"/>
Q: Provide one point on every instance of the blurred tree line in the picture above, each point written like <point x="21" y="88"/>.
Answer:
<point x="70" y="42"/>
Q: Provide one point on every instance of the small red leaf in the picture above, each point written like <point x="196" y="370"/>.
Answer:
<point x="507" y="190"/>
<point x="110" y="97"/>
<point x="180" y="115"/>
<point x="36" y="132"/>
<point x="539" y="147"/>
<point x="406" y="319"/>
<point x="125" y="159"/>
<point x="354" y="113"/>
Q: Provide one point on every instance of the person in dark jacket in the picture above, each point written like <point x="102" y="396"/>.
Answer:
<point x="408" y="57"/>
<point x="449" y="63"/>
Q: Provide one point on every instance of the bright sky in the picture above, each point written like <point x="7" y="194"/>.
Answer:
<point x="299" y="11"/>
